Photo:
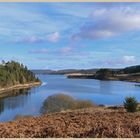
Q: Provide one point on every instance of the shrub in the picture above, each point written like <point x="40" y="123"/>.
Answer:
<point x="56" y="103"/>
<point x="60" y="102"/>
<point x="130" y="104"/>
<point x="83" y="104"/>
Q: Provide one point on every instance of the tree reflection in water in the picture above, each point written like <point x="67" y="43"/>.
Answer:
<point x="13" y="99"/>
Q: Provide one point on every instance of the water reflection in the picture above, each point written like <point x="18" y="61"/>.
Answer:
<point x="1" y="106"/>
<point x="13" y="99"/>
<point x="105" y="87"/>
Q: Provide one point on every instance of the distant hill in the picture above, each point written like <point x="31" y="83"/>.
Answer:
<point x="64" y="71"/>
<point x="42" y="71"/>
<point x="132" y="69"/>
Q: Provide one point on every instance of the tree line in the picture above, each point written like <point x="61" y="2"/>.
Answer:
<point x="12" y="73"/>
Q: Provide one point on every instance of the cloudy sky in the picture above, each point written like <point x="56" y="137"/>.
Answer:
<point x="70" y="35"/>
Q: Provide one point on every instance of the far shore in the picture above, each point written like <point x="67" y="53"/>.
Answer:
<point x="118" y="77"/>
<point x="19" y="86"/>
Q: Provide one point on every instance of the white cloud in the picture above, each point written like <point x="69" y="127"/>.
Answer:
<point x="30" y="39"/>
<point x="54" y="37"/>
<point x="104" y="23"/>
<point x="129" y="59"/>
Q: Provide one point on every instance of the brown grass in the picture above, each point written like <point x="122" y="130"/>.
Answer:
<point x="93" y="122"/>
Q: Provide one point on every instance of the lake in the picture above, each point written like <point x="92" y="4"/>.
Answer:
<point x="29" y="102"/>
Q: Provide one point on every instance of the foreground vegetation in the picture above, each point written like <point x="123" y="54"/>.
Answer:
<point x="130" y="104"/>
<point x="61" y="102"/>
<point x="85" y="121"/>
<point x="14" y="73"/>
<point x="94" y="122"/>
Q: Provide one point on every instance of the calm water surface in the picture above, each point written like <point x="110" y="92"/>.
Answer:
<point x="29" y="102"/>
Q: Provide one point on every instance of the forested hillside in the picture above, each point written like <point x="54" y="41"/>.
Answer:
<point x="13" y="73"/>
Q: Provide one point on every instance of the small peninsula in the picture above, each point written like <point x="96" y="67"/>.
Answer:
<point x="130" y="74"/>
<point x="14" y="75"/>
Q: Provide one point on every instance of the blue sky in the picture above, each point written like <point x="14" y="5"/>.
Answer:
<point x="70" y="35"/>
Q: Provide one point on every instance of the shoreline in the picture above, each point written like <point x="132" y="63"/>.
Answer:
<point x="111" y="78"/>
<point x="19" y="86"/>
